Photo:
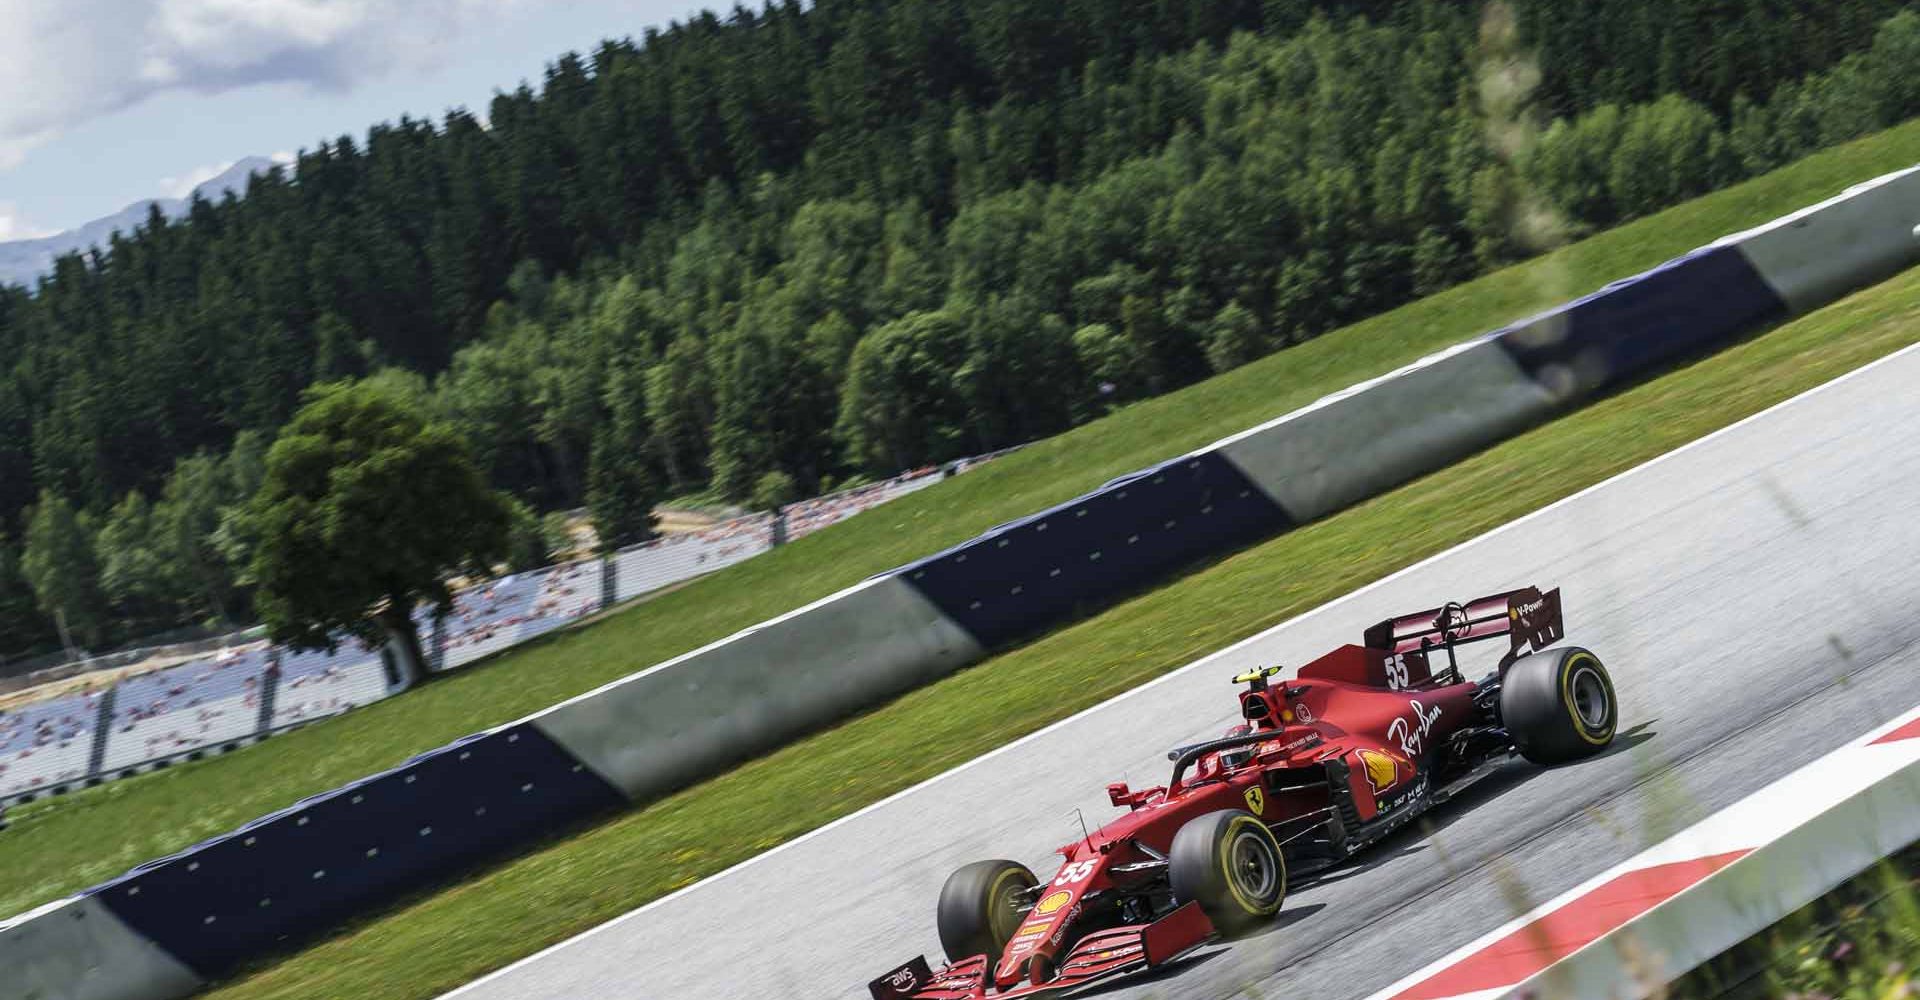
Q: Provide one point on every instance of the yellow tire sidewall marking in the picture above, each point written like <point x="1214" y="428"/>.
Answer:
<point x="1568" y="667"/>
<point x="1226" y="866"/>
<point x="993" y="910"/>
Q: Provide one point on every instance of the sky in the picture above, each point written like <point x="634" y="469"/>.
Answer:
<point x="109" y="102"/>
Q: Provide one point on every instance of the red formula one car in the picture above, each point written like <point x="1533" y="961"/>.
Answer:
<point x="1362" y="740"/>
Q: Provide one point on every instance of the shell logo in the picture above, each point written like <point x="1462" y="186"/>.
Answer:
<point x="1382" y="772"/>
<point x="1052" y="903"/>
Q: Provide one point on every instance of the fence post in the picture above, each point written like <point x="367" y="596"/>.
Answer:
<point x="102" y="731"/>
<point x="609" y="582"/>
<point x="269" y="691"/>
<point x="779" y="526"/>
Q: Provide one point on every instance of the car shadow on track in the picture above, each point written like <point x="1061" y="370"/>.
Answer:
<point x="1406" y="842"/>
<point x="1413" y="839"/>
<point x="1151" y="976"/>
<point x="1627" y="739"/>
<point x="1287" y="918"/>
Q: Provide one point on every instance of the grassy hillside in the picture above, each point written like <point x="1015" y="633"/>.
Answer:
<point x="66" y="844"/>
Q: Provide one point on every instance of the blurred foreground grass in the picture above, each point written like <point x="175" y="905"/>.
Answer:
<point x="1859" y="942"/>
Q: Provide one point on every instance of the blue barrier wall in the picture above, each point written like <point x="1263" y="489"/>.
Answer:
<point x="1638" y="323"/>
<point x="1026" y="575"/>
<point x="301" y="871"/>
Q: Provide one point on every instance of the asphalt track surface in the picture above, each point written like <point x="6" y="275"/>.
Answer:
<point x="1756" y="596"/>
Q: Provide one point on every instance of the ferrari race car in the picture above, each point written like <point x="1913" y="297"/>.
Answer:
<point x="1356" y="744"/>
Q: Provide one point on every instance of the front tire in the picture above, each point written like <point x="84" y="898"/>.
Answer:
<point x="979" y="908"/>
<point x="1559" y="705"/>
<point x="1230" y="863"/>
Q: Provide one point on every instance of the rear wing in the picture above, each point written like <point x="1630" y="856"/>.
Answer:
<point x="1529" y="618"/>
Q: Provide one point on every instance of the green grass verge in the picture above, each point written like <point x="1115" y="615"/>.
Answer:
<point x="1860" y="941"/>
<point x="66" y="844"/>
<point x="439" y="941"/>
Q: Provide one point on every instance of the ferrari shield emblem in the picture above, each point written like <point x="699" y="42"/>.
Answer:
<point x="1256" y="800"/>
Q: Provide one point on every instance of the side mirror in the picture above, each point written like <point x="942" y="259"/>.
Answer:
<point x="1119" y="794"/>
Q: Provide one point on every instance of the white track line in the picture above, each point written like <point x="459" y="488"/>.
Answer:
<point x="1162" y="679"/>
<point x="1759" y="820"/>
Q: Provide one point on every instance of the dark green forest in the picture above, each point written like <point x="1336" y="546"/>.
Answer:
<point x="829" y="241"/>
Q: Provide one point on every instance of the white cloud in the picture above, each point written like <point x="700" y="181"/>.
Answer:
<point x="62" y="62"/>
<point x="180" y="187"/>
<point x="14" y="146"/>
<point x="13" y="227"/>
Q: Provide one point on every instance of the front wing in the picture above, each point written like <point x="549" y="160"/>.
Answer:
<point x="1099" y="956"/>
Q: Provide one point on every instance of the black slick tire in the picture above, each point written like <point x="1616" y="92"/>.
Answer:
<point x="1230" y="863"/>
<point x="1559" y="705"/>
<point x="978" y="911"/>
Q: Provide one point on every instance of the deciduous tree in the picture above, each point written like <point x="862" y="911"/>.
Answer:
<point x="366" y="508"/>
<point x="60" y="566"/>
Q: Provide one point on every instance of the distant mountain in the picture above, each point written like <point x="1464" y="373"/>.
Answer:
<point x="22" y="262"/>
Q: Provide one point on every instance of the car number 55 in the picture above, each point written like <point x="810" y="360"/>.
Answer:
<point x="1076" y="872"/>
<point x="1397" y="675"/>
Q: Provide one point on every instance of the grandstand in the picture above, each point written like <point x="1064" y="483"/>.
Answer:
<point x="648" y="566"/>
<point x="45" y="743"/>
<point x="513" y="609"/>
<point x="314" y="685"/>
<point x="185" y="707"/>
<point x="808" y="516"/>
<point x="670" y="559"/>
<point x="176" y="711"/>
<point x="240" y="693"/>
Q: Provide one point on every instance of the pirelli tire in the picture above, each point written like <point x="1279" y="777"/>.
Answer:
<point x="980" y="907"/>
<point x="1559" y="705"/>
<point x="1230" y="863"/>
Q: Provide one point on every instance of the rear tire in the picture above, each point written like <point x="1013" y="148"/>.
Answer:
<point x="1230" y="863"/>
<point x="1559" y="705"/>
<point x="978" y="911"/>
